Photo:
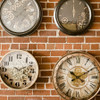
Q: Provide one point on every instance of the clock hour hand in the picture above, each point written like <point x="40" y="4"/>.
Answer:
<point x="76" y="76"/>
<point x="83" y="74"/>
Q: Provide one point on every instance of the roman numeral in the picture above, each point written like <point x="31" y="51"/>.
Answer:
<point x="68" y="93"/>
<point x="77" y="94"/>
<point x="24" y="82"/>
<point x="86" y="61"/>
<point x="62" y="86"/>
<point x="6" y="76"/>
<point x="92" y="85"/>
<point x="6" y="63"/>
<point x="10" y="58"/>
<point x="69" y="61"/>
<point x="30" y="78"/>
<point x="86" y="91"/>
<point x="77" y="59"/>
<point x="26" y="59"/>
<point x="32" y="71"/>
<point x="94" y="77"/>
<point x="19" y="56"/>
<point x="3" y="69"/>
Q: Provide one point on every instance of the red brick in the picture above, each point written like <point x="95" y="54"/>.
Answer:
<point x="54" y="92"/>
<point x="3" y="98"/>
<point x="51" y="26"/>
<point x="14" y="46"/>
<point x="44" y="66"/>
<point x="15" y="98"/>
<point x="41" y="46"/>
<point x="77" y="46"/>
<point x="49" y="86"/>
<point x="5" y="40"/>
<point x="75" y="39"/>
<point x="59" y="46"/>
<point x="47" y="19"/>
<point x="58" y="53"/>
<point x="41" y="53"/>
<point x="47" y="33"/>
<point x="32" y="46"/>
<point x="51" y="98"/>
<point x="33" y="98"/>
<point x="38" y="39"/>
<point x="57" y="40"/>
<point x="68" y="46"/>
<point x="23" y="46"/>
<point x="42" y="80"/>
<point x="41" y="92"/>
<point x="46" y="73"/>
<point x="24" y="92"/>
<point x="40" y="86"/>
<point x="50" y="5"/>
<point x="94" y="46"/>
<point x="50" y="46"/>
<point x="93" y="40"/>
<point x="85" y="46"/>
<point x="7" y="92"/>
<point x="20" y="40"/>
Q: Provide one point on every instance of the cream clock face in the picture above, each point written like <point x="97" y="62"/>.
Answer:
<point x="20" y="17"/>
<point x="19" y="69"/>
<point x="77" y="76"/>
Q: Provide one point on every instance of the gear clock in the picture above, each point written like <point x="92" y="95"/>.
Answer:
<point x="73" y="17"/>
<point x="20" y="17"/>
<point x="19" y="70"/>
<point x="76" y="76"/>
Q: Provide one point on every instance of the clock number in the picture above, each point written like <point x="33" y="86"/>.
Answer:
<point x="77" y="59"/>
<point x="86" y="92"/>
<point x="94" y="77"/>
<point x="6" y="76"/>
<point x="69" y="61"/>
<point x="30" y="78"/>
<point x="19" y="56"/>
<point x="62" y="86"/>
<point x="92" y="85"/>
<point x="26" y="59"/>
<point x="86" y="61"/>
<point x="6" y="63"/>
<point x="10" y="58"/>
<point x="68" y="93"/>
<point x="32" y="71"/>
<point x="31" y="63"/>
<point x="17" y="84"/>
<point x="77" y="94"/>
<point x="24" y="82"/>
<point x="3" y="69"/>
<point x="11" y="81"/>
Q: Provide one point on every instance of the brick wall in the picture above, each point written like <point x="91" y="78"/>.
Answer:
<point x="48" y="44"/>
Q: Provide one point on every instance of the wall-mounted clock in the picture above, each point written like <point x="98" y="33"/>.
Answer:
<point x="76" y="76"/>
<point x="18" y="70"/>
<point x="20" y="17"/>
<point x="73" y="17"/>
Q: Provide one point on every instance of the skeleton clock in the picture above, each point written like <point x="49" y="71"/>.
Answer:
<point x="76" y="76"/>
<point x="20" y="17"/>
<point x="19" y="70"/>
<point x="73" y="17"/>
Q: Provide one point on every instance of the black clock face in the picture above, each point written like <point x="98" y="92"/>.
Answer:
<point x="73" y="16"/>
<point x="19" y="69"/>
<point x="20" y="17"/>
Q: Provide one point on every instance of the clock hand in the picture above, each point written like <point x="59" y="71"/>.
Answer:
<point x="76" y="76"/>
<point x="83" y="74"/>
<point x="16" y="68"/>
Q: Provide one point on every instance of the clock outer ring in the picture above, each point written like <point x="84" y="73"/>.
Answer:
<point x="66" y="31"/>
<point x="28" y="32"/>
<point x="32" y="82"/>
<point x="70" y="55"/>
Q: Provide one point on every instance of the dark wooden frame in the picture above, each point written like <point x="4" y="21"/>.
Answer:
<point x="66" y="31"/>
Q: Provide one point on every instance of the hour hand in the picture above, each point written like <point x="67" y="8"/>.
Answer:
<point x="16" y="68"/>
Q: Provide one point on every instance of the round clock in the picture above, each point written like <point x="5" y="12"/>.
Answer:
<point x="73" y="17"/>
<point x="76" y="76"/>
<point x="19" y="70"/>
<point x="20" y="17"/>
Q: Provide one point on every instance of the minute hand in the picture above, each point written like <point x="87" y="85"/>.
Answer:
<point x="83" y="74"/>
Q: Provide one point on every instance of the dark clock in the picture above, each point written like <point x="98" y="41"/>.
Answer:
<point x="73" y="17"/>
<point x="20" y="17"/>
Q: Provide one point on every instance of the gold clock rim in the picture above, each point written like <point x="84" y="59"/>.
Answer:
<point x="32" y="82"/>
<point x="70" y="54"/>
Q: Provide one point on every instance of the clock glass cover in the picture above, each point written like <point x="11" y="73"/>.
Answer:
<point x="73" y="17"/>
<point x="20" y="17"/>
<point x="76" y="76"/>
<point x="18" y="69"/>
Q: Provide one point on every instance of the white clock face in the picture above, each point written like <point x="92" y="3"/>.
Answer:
<point x="19" y="15"/>
<point x="76" y="77"/>
<point x="19" y="69"/>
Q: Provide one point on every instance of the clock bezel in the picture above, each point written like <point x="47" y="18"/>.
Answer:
<point x="28" y="32"/>
<point x="69" y="32"/>
<point x="32" y="82"/>
<point x="68" y="56"/>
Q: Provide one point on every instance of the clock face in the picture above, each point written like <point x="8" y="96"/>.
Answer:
<point x="73" y="16"/>
<point x="77" y="76"/>
<point x="20" y="16"/>
<point x="19" y="69"/>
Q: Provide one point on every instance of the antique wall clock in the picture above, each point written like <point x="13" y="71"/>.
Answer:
<point x="76" y="76"/>
<point x="20" y="17"/>
<point x="19" y="70"/>
<point x="73" y="17"/>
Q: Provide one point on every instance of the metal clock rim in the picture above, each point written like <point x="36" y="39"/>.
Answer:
<point x="69" y="54"/>
<point x="28" y="32"/>
<point x="32" y="82"/>
<point x="66" y="31"/>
